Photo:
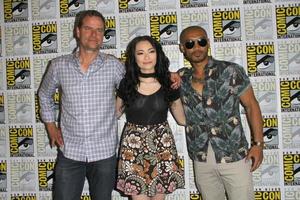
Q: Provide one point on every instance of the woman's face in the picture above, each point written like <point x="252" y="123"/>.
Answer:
<point x="145" y="56"/>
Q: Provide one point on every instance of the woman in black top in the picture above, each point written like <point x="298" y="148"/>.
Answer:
<point x="148" y="165"/>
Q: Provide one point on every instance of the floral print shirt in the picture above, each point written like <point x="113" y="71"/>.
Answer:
<point x="214" y="115"/>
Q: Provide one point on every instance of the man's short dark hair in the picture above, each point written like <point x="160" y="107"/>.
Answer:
<point x="80" y="16"/>
<point x="85" y="13"/>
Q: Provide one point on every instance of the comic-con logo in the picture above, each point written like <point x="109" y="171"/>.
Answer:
<point x="123" y="56"/>
<point x="43" y="9"/>
<point x="226" y="25"/>
<point x="270" y="128"/>
<point x="21" y="142"/>
<point x="288" y="21"/>
<point x="44" y="38"/>
<point x="193" y="3"/>
<point x="181" y="162"/>
<point x="291" y="193"/>
<point x="291" y="169"/>
<point x="109" y="40"/>
<point x="105" y="6"/>
<point x="267" y="194"/>
<point x="15" y="10"/>
<point x="265" y="91"/>
<point x="69" y="8"/>
<point x="288" y="57"/>
<point x="46" y="175"/>
<point x="16" y="39"/>
<point x="56" y="100"/>
<point x="163" y="28"/>
<point x="85" y="197"/>
<point x="195" y="195"/>
<point x="18" y="73"/>
<point x="258" y="22"/>
<point x="3" y="176"/>
<point x="23" y="197"/>
<point x="290" y="95"/>
<point x="19" y="108"/>
<point x="260" y="60"/>
<point x="131" y="6"/>
<point x="291" y="130"/>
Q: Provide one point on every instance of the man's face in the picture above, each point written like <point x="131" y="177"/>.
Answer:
<point x="193" y="50"/>
<point x="91" y="33"/>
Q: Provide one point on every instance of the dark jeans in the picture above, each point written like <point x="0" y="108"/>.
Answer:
<point x="70" y="176"/>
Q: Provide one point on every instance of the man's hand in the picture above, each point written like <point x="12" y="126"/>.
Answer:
<point x="176" y="80"/>
<point x="256" y="155"/>
<point x="55" y="135"/>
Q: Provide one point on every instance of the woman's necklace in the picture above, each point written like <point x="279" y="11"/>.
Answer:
<point x="198" y="80"/>
<point x="150" y="75"/>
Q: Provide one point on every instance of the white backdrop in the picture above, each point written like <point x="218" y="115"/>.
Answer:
<point x="261" y="35"/>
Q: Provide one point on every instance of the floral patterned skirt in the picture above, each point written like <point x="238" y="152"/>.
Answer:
<point x="148" y="161"/>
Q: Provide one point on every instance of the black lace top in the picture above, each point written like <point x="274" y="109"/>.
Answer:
<point x="148" y="109"/>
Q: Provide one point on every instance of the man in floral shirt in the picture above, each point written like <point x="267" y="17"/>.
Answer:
<point x="211" y="92"/>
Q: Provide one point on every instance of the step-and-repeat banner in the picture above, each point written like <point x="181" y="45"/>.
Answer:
<point x="261" y="35"/>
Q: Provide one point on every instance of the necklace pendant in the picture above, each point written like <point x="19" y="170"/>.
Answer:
<point x="198" y="80"/>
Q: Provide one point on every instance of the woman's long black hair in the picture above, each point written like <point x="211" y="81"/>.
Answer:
<point x="132" y="81"/>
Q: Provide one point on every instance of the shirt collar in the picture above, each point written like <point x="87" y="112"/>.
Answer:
<point x="94" y="66"/>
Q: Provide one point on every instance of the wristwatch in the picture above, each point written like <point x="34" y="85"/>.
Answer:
<point x="260" y="144"/>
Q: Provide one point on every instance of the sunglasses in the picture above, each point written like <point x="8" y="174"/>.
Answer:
<point x="202" y="42"/>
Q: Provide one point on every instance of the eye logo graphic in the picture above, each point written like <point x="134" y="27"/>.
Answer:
<point x="290" y="95"/>
<point x="43" y="9"/>
<point x="260" y="60"/>
<point x="296" y="134"/>
<point x="21" y="142"/>
<point x="294" y="63"/>
<point x="291" y="169"/>
<point x="71" y="7"/>
<point x="18" y="73"/>
<point x="109" y="40"/>
<point x="270" y="128"/>
<point x="131" y="6"/>
<point x="226" y="25"/>
<point x="106" y="6"/>
<point x="16" y="11"/>
<point x="48" y="8"/>
<point x="21" y="45"/>
<point x="44" y="38"/>
<point x="293" y="26"/>
<point x="48" y="40"/>
<point x="163" y="28"/>
<point x="46" y="175"/>
<point x="288" y="21"/>
<point x="138" y="31"/>
<point x="168" y="33"/>
<point x="270" y="172"/>
<point x="26" y="145"/>
<point x="267" y="100"/>
<point x="271" y="138"/>
<point x="231" y="28"/>
<point x="263" y="28"/>
<point x="109" y="35"/>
